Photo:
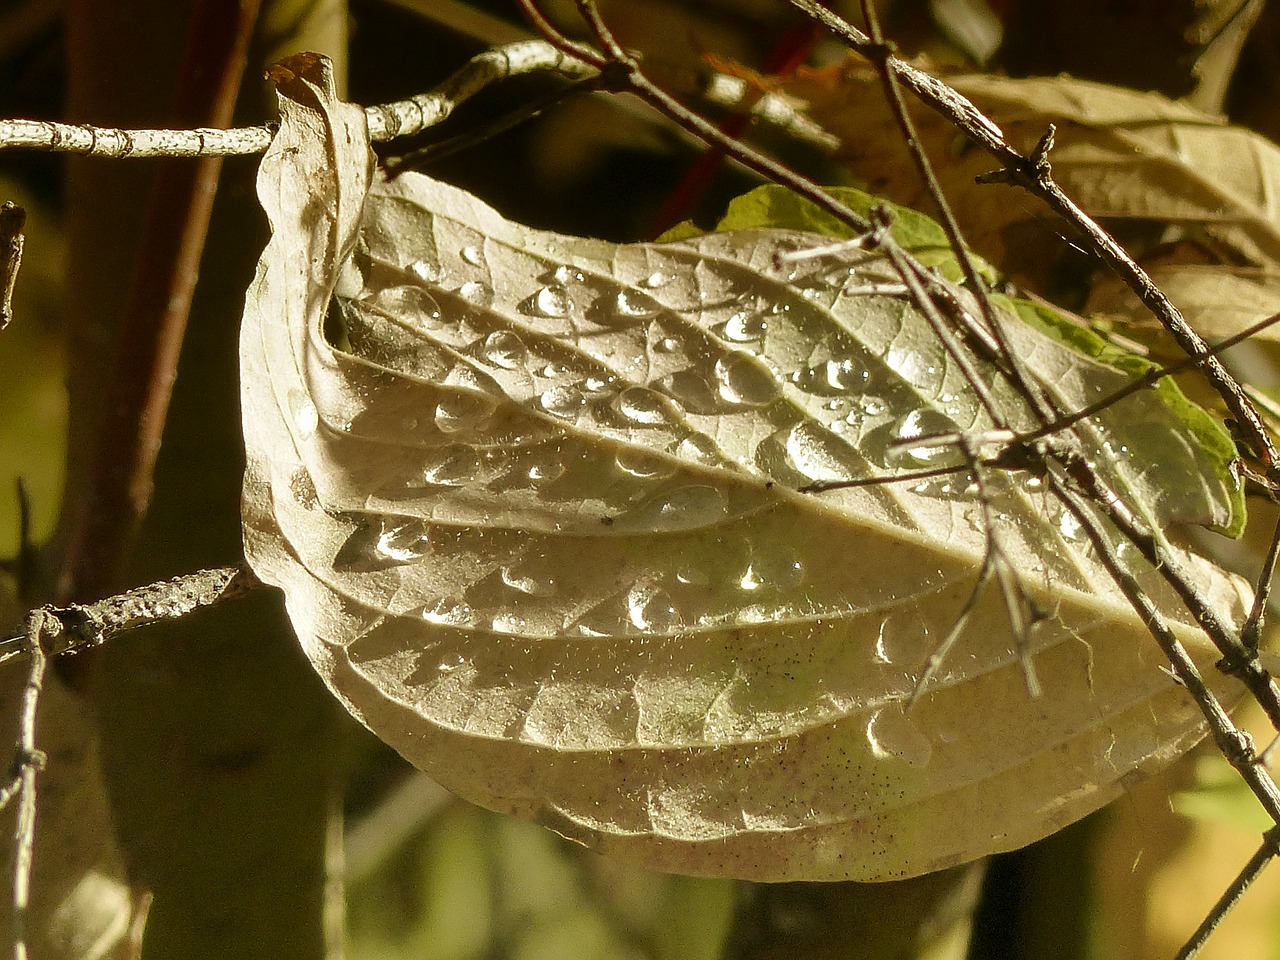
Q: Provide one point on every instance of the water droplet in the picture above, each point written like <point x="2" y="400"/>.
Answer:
<point x="472" y="255"/>
<point x="480" y="294"/>
<point x="818" y="455"/>
<point x="533" y="584"/>
<point x="424" y="271"/>
<point x="745" y="326"/>
<point x="409" y="302"/>
<point x="892" y="735"/>
<point x="667" y="345"/>
<point x="562" y="401"/>
<point x="508" y="623"/>
<point x="772" y="570"/>
<point x="544" y="465"/>
<point x="640" y="463"/>
<point x="449" y="613"/>
<point x="451" y="466"/>
<point x="565" y="274"/>
<point x="401" y="541"/>
<point x="831" y="378"/>
<point x="693" y="506"/>
<point x="623" y="307"/>
<point x="655" y="280"/>
<point x="463" y="411"/>
<point x="650" y="608"/>
<point x="452" y="663"/>
<point x="924" y="422"/>
<point x="642" y="406"/>
<point x="744" y="381"/>
<point x="551" y="302"/>
<point x="873" y="406"/>
<point x="1071" y="528"/>
<point x="596" y="387"/>
<point x="504" y="349"/>
<point x="698" y="448"/>
<point x="305" y="416"/>
<point x="902" y="640"/>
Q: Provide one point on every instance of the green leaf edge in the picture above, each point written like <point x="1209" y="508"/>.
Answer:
<point x="776" y="207"/>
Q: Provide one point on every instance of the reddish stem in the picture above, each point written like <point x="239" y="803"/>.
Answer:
<point x="150" y="339"/>
<point x="791" y="50"/>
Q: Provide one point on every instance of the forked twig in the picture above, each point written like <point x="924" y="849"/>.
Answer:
<point x="28" y="763"/>
<point x="387" y="121"/>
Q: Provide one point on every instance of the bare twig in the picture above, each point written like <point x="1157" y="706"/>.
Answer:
<point x="400" y="118"/>
<point x="12" y="220"/>
<point x="1231" y="896"/>
<point x="27" y="766"/>
<point x="77" y="627"/>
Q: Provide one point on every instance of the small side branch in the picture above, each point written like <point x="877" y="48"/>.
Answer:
<point x="386" y="121"/>
<point x="77" y="627"/>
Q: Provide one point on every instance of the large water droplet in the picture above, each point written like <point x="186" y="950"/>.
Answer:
<point x="831" y="378"/>
<point x="698" y="448"/>
<point x="305" y="416"/>
<point x="424" y="271"/>
<point x="623" y="307"/>
<point x="528" y="581"/>
<point x="472" y="255"/>
<point x="774" y="569"/>
<point x="410" y="303"/>
<point x="565" y="274"/>
<point x="639" y="463"/>
<point x="745" y="326"/>
<point x="563" y="401"/>
<point x="543" y="464"/>
<point x="818" y="455"/>
<point x="655" y="280"/>
<point x="463" y="411"/>
<point x="475" y="292"/>
<point x="650" y="608"/>
<point x="504" y="349"/>
<point x="684" y="508"/>
<point x="892" y="735"/>
<point x="401" y="541"/>
<point x="744" y="381"/>
<point x="552" y="302"/>
<point x="641" y="406"/>
<point x="451" y="466"/>
<point x="924" y="422"/>
<point x="903" y="640"/>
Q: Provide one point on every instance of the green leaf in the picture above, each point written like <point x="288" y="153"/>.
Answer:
<point x="775" y="207"/>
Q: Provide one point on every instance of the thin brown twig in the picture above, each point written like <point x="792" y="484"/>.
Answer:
<point x="1016" y="371"/>
<point x="1231" y="896"/>
<point x="28" y="763"/>
<point x="12" y="221"/>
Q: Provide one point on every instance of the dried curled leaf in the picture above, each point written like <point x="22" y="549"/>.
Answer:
<point x="1119" y="153"/>
<point x="539" y="526"/>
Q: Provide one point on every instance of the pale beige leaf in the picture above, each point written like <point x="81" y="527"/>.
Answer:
<point x="1119" y="153"/>
<point x="538" y="525"/>
<point x="1219" y="301"/>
